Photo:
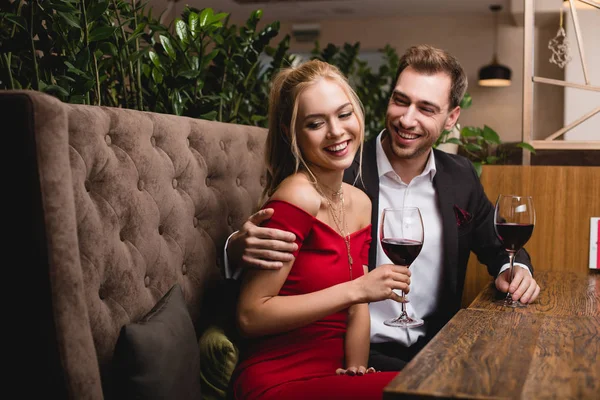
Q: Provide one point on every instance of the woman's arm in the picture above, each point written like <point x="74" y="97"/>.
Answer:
<point x="358" y="336"/>
<point x="261" y="311"/>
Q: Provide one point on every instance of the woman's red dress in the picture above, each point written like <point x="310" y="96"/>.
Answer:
<point x="301" y="364"/>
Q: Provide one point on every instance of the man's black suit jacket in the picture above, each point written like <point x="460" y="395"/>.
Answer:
<point x="458" y="188"/>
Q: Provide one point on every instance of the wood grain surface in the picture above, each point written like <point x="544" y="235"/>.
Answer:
<point x="565" y="198"/>
<point x="495" y="355"/>
<point x="562" y="293"/>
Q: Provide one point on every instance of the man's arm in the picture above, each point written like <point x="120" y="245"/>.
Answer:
<point x="254" y="246"/>
<point x="489" y="251"/>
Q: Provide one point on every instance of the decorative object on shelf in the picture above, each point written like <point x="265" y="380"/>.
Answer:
<point x="559" y="45"/>
<point x="495" y="74"/>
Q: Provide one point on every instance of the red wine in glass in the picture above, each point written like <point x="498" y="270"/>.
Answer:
<point x="514" y="219"/>
<point x="514" y="236"/>
<point x="401" y="251"/>
<point x="401" y="237"/>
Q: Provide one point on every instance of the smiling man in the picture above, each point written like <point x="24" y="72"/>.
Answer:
<point x="401" y="168"/>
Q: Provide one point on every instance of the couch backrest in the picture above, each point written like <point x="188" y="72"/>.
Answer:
<point x="131" y="203"/>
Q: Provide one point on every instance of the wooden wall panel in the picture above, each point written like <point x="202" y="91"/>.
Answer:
<point x="564" y="197"/>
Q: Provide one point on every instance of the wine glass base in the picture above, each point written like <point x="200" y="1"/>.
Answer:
<point x="510" y="303"/>
<point x="405" y="322"/>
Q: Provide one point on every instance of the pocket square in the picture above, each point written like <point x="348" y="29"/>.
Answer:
<point x="462" y="217"/>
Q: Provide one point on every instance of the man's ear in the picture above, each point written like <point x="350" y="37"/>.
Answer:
<point x="452" y="118"/>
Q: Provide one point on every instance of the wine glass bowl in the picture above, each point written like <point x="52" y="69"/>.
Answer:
<point x="401" y="237"/>
<point x="514" y="219"/>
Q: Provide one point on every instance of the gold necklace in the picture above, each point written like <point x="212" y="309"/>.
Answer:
<point x="338" y="220"/>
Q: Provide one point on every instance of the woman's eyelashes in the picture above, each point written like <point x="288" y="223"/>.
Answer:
<point x="319" y="123"/>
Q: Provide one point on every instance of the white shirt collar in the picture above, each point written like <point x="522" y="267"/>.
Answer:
<point x="384" y="166"/>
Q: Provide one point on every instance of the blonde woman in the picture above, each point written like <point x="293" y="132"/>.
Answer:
<point x="307" y="324"/>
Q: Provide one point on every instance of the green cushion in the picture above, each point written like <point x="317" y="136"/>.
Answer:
<point x="219" y="357"/>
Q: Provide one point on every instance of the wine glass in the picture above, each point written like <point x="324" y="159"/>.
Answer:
<point x="514" y="219"/>
<point x="401" y="237"/>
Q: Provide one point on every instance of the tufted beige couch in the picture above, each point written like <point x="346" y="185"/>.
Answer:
<point x="122" y="205"/>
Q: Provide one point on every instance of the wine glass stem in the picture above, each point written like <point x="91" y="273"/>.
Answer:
<point x="511" y="273"/>
<point x="404" y="314"/>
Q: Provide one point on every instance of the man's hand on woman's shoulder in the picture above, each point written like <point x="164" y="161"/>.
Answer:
<point x="254" y="246"/>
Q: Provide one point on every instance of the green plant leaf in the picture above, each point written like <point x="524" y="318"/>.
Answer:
<point x="177" y="102"/>
<point x="466" y="101"/>
<point x="216" y="19"/>
<point x="101" y="33"/>
<point x="15" y="19"/>
<point x="490" y="135"/>
<point x="154" y="58"/>
<point x="61" y="6"/>
<point x="190" y="74"/>
<point x="95" y="11"/>
<point x="491" y="159"/>
<point x="181" y="30"/>
<point x="108" y="48"/>
<point x="168" y="46"/>
<point x="69" y="19"/>
<point x="55" y="89"/>
<point x="453" y="141"/>
<point x="471" y="131"/>
<point x="473" y="147"/>
<point x="194" y="24"/>
<point x="206" y="16"/>
<point x="478" y="167"/>
<point x="211" y="115"/>
<point x="526" y="146"/>
<point x="157" y="76"/>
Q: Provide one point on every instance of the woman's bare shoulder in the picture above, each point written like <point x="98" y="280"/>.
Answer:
<point x="297" y="190"/>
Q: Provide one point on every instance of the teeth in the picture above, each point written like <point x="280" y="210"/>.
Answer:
<point x="404" y="135"/>
<point x="338" y="147"/>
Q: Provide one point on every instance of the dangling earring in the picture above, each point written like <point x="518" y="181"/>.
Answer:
<point x="560" y="45"/>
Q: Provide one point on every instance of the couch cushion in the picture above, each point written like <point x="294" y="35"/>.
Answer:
<point x="157" y="357"/>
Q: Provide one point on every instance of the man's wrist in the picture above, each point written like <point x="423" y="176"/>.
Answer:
<point x="507" y="266"/>
<point x="226" y="268"/>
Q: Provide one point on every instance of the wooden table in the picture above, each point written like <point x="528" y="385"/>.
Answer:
<point x="550" y="349"/>
<point x="562" y="293"/>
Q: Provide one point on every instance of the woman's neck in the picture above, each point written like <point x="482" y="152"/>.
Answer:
<point x="330" y="182"/>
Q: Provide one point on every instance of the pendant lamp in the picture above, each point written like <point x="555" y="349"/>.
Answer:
<point x="495" y="74"/>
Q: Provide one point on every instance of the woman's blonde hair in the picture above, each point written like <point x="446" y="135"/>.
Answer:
<point x="283" y="157"/>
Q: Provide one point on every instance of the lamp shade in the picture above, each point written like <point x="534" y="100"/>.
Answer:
<point x="495" y="75"/>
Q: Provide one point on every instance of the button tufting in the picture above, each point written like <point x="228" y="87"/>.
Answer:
<point x="174" y="183"/>
<point x="238" y="181"/>
<point x="147" y="281"/>
<point x="153" y="141"/>
<point x="87" y="185"/>
<point x="187" y="141"/>
<point x="160" y="229"/>
<point x="195" y="222"/>
<point x="102" y="294"/>
<point x="222" y="144"/>
<point x="229" y="220"/>
<point x="207" y="181"/>
<point x="107" y="139"/>
<point x="263" y="181"/>
<point x="184" y="269"/>
<point x="141" y="185"/>
<point x="121" y="236"/>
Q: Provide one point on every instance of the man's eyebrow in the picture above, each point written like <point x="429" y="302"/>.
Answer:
<point x="423" y="102"/>
<point x="320" y="115"/>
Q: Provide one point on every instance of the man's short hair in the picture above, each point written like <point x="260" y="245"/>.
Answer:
<point x="430" y="60"/>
